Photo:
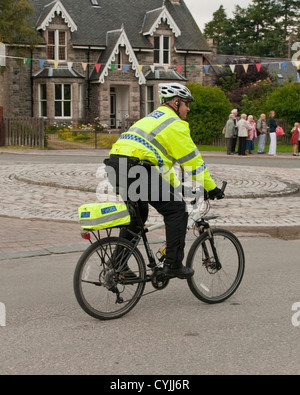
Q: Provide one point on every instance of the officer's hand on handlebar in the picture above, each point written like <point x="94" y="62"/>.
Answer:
<point x="216" y="193"/>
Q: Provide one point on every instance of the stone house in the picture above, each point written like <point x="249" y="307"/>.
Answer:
<point x="102" y="59"/>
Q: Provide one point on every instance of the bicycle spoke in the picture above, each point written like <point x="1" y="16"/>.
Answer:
<point x="210" y="283"/>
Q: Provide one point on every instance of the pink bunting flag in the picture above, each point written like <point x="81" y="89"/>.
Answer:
<point x="258" y="66"/>
<point x="97" y="67"/>
<point x="178" y="68"/>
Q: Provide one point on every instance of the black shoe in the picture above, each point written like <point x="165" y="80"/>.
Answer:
<point x="128" y="274"/>
<point x="180" y="272"/>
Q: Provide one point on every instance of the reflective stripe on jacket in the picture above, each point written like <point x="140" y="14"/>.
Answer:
<point x="163" y="139"/>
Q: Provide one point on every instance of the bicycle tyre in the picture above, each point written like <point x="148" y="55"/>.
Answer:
<point x="211" y="285"/>
<point x="96" y="278"/>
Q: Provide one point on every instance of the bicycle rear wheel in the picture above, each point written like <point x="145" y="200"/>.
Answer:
<point x="104" y="278"/>
<point x="211" y="284"/>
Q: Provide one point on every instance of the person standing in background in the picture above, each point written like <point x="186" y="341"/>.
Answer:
<point x="295" y="139"/>
<point x="272" y="131"/>
<point x="251" y="135"/>
<point x="262" y="130"/>
<point x="229" y="132"/>
<point x="235" y="134"/>
<point x="243" y="131"/>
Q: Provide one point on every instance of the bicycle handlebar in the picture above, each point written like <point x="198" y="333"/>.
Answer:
<point x="198" y="193"/>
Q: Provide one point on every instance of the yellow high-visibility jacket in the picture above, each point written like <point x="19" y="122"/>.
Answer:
<point x="163" y="139"/>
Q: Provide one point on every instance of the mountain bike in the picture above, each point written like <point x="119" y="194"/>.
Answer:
<point x="111" y="274"/>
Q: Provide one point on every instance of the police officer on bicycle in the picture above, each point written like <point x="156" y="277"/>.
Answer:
<point x="161" y="139"/>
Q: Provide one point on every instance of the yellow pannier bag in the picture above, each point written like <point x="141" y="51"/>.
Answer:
<point x="103" y="215"/>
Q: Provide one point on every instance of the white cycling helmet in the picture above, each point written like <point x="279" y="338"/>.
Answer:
<point x="169" y="90"/>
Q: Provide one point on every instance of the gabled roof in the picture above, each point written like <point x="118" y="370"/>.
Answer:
<point x="90" y="24"/>
<point x="115" y="39"/>
<point x="48" y="13"/>
<point x="154" y="18"/>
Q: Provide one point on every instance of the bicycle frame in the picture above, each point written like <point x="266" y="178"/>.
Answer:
<point x="194" y="220"/>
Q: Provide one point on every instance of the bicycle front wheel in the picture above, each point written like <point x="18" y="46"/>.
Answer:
<point x="216" y="278"/>
<point x="104" y="278"/>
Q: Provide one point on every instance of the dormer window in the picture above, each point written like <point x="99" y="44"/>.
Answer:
<point x="162" y="50"/>
<point x="95" y="3"/>
<point x="57" y="45"/>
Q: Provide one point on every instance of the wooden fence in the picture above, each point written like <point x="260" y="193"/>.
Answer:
<point x="23" y="131"/>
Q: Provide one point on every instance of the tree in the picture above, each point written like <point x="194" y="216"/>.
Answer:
<point x="246" y="75"/>
<point x="285" y="101"/>
<point x="289" y="11"/>
<point x="208" y="114"/>
<point x="16" y="26"/>
<point x="218" y="30"/>
<point x="264" y="28"/>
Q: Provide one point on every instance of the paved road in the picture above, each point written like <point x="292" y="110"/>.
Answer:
<point x="170" y="331"/>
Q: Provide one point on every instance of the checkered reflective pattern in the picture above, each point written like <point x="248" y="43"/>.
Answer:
<point x="146" y="144"/>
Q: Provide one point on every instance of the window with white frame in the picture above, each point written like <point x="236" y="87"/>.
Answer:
<point x="63" y="101"/>
<point x="57" y="45"/>
<point x="119" y="60"/>
<point x="162" y="49"/>
<point x="150" y="99"/>
<point x="43" y="100"/>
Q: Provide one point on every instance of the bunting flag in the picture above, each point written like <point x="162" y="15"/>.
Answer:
<point x="178" y="68"/>
<point x="206" y="68"/>
<point x="246" y="67"/>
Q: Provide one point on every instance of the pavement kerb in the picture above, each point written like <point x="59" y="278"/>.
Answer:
<point x="281" y="232"/>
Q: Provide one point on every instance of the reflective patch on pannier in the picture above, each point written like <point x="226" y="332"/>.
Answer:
<point x="103" y="215"/>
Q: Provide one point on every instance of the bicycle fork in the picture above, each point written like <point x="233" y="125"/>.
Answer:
<point x="216" y="265"/>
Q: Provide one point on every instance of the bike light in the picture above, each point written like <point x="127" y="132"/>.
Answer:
<point x="85" y="235"/>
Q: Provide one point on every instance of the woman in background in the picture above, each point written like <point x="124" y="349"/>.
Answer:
<point x="272" y="133"/>
<point x="295" y="139"/>
<point x="252" y="134"/>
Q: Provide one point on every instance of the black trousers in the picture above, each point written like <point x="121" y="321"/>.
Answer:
<point x="160" y="195"/>
<point x="233" y="144"/>
<point x="242" y="145"/>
